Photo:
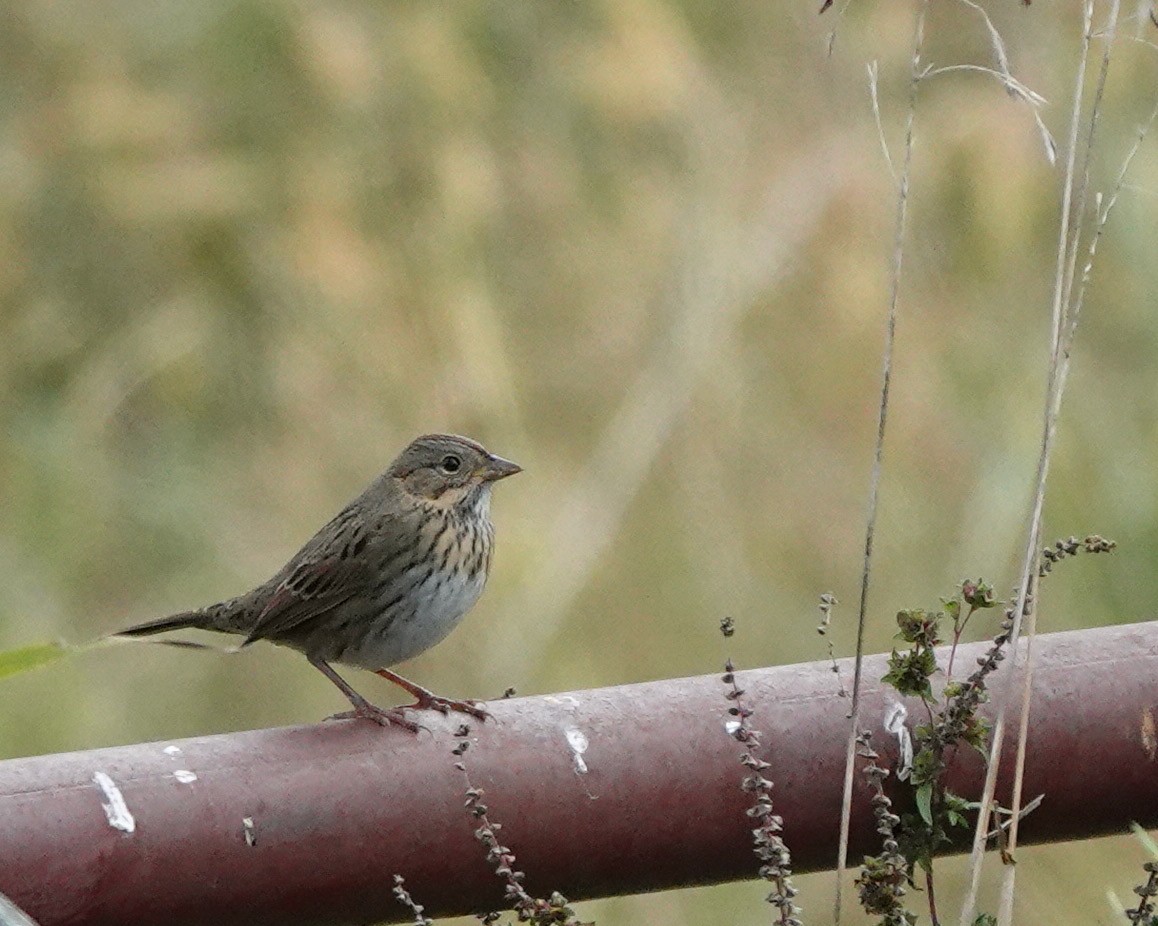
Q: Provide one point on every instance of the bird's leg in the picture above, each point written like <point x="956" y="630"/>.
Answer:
<point x="428" y="700"/>
<point x="362" y="707"/>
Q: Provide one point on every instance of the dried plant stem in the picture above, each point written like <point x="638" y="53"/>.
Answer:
<point x="1065" y="324"/>
<point x="403" y="897"/>
<point x="878" y="454"/>
<point x="1144" y="912"/>
<point x="1069" y="306"/>
<point x="883" y="880"/>
<point x="1103" y="215"/>
<point x="827" y="603"/>
<point x="930" y="893"/>
<point x="1061" y="337"/>
<point x="770" y="848"/>
<point x="501" y="859"/>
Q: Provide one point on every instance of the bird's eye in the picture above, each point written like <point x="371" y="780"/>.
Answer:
<point x="451" y="463"/>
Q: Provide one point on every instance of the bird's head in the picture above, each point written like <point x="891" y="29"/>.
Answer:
<point x="449" y="471"/>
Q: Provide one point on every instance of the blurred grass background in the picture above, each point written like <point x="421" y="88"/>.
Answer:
<point x="249" y="249"/>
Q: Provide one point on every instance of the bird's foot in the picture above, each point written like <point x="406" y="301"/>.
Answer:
<point x="428" y="700"/>
<point x="432" y="702"/>
<point x="385" y="717"/>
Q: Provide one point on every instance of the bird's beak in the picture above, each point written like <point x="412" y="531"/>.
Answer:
<point x="497" y="468"/>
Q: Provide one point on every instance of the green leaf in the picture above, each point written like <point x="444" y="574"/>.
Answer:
<point x="23" y="658"/>
<point x="955" y="809"/>
<point x="925" y="803"/>
<point x="909" y="672"/>
<point x="910" y="621"/>
<point x="926" y="768"/>
<point x="977" y="734"/>
<point x="978" y="594"/>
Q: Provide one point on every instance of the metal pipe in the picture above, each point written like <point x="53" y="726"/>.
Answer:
<point x="600" y="792"/>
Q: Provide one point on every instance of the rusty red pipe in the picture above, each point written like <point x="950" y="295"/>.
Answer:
<point x="600" y="792"/>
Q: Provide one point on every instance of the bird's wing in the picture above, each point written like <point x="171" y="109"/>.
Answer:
<point x="328" y="572"/>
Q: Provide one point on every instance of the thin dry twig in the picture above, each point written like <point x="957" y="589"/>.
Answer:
<point x="1066" y="310"/>
<point x="1072" y="309"/>
<point x="416" y="909"/>
<point x="878" y="453"/>
<point x="768" y="845"/>
<point x="830" y="42"/>
<point x="1034" y="528"/>
<point x="874" y="75"/>
<point x="1015" y="87"/>
<point x="827" y="603"/>
<point x="535" y="910"/>
<point x="1103" y="212"/>
<point x="1066" y="326"/>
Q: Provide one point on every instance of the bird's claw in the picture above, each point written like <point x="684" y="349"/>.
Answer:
<point x="432" y="702"/>
<point x="392" y="717"/>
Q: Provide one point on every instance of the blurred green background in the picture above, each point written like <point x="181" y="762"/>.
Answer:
<point x="248" y="250"/>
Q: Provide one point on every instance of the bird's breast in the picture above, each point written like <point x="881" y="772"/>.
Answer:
<point x="428" y="600"/>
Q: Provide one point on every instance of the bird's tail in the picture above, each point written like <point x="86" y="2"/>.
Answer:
<point x="186" y="620"/>
<point x="220" y="617"/>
